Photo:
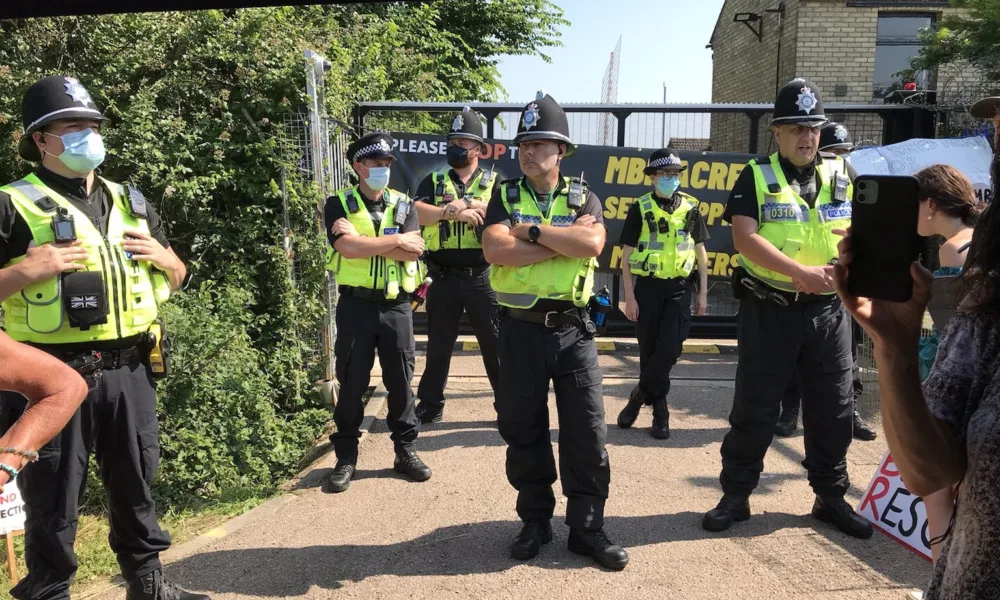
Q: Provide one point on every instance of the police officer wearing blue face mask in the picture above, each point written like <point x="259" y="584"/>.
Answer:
<point x="86" y="264"/>
<point x="374" y="245"/>
<point x="662" y="239"/>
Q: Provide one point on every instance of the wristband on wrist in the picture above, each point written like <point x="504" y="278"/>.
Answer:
<point x="29" y="455"/>
<point x="9" y="470"/>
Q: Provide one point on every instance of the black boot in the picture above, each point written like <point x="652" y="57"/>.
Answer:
<point x="341" y="477"/>
<point x="429" y="413"/>
<point x="836" y="510"/>
<point x="154" y="586"/>
<point x="787" y="423"/>
<point x="408" y="463"/>
<point x="661" y="419"/>
<point x="630" y="413"/>
<point x="595" y="544"/>
<point x="862" y="431"/>
<point x="533" y="535"/>
<point x="730" y="509"/>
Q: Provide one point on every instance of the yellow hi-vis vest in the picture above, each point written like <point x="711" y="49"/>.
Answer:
<point x="801" y="233"/>
<point x="558" y="278"/>
<point x="664" y="255"/>
<point x="375" y="272"/>
<point x="37" y="314"/>
<point x="462" y="235"/>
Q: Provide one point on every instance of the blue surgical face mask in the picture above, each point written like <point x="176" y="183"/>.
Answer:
<point x="666" y="186"/>
<point x="378" y="178"/>
<point x="83" y="151"/>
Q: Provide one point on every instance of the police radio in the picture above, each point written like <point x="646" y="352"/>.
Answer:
<point x="840" y="188"/>
<point x="575" y="199"/>
<point x="63" y="227"/>
<point x="402" y="211"/>
<point x="486" y="179"/>
<point x="439" y="190"/>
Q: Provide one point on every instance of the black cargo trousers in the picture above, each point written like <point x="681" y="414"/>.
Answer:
<point x="117" y="422"/>
<point x="532" y="355"/>
<point x="811" y="340"/>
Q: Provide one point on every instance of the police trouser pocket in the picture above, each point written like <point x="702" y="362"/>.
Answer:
<point x="587" y="378"/>
<point x="149" y="450"/>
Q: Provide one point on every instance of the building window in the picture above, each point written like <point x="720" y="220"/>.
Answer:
<point x="896" y="42"/>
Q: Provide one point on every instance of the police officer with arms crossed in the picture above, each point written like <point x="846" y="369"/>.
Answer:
<point x="783" y="210"/>
<point x="451" y="210"/>
<point x="543" y="235"/>
<point x="664" y="233"/>
<point x="375" y="242"/>
<point x="86" y="263"/>
<point x="833" y="139"/>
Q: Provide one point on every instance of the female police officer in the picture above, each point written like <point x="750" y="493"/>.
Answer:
<point x="375" y="241"/>
<point x="664" y="233"/>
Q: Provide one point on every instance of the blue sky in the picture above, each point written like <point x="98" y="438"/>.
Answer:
<point x="662" y="41"/>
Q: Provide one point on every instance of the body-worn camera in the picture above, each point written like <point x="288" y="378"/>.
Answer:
<point x="63" y="227"/>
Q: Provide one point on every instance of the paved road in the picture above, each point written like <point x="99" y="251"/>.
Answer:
<point x="447" y="538"/>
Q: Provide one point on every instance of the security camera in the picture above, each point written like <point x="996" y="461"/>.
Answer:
<point x="326" y="65"/>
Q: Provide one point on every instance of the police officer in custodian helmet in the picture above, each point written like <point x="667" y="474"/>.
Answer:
<point x="452" y="205"/>
<point x="783" y="210"/>
<point x="543" y="234"/>
<point x="835" y="139"/>
<point x="86" y="264"/>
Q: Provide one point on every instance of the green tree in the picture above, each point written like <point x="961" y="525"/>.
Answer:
<point x="198" y="102"/>
<point x="966" y="37"/>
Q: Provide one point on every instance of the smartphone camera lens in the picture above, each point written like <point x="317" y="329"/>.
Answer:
<point x="862" y="197"/>
<point x="862" y="185"/>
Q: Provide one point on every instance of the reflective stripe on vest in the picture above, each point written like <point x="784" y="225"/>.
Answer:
<point x="669" y="255"/>
<point x="37" y="314"/>
<point x="558" y="278"/>
<point x="802" y="233"/>
<point x="376" y="272"/>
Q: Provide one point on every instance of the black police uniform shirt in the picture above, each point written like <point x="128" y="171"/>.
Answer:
<point x="451" y="258"/>
<point x="634" y="222"/>
<point x="15" y="236"/>
<point x="376" y="208"/>
<point x="743" y="197"/>
<point x="496" y="214"/>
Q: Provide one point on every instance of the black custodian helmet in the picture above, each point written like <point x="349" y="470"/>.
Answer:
<point x="544" y="119"/>
<point x="799" y="102"/>
<point x="835" y="136"/>
<point x="467" y="125"/>
<point x="55" y="98"/>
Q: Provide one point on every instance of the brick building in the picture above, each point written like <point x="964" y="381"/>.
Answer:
<point x="851" y="49"/>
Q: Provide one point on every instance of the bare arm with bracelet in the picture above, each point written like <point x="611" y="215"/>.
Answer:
<point x="54" y="392"/>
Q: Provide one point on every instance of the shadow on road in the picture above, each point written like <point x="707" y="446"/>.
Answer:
<point x="480" y="548"/>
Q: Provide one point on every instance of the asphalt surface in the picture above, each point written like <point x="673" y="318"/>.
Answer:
<point x="387" y="537"/>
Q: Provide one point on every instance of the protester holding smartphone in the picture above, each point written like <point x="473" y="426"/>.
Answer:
<point x="947" y="433"/>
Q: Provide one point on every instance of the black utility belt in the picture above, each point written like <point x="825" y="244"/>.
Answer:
<point x="91" y="361"/>
<point x="369" y="294"/>
<point x="554" y="319"/>
<point x="459" y="272"/>
<point x="765" y="292"/>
